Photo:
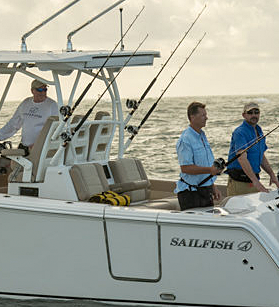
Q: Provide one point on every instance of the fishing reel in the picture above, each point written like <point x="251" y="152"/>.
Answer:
<point x="132" y="104"/>
<point x="66" y="136"/>
<point x="132" y="129"/>
<point x="5" y="145"/>
<point x="65" y="111"/>
<point x="220" y="164"/>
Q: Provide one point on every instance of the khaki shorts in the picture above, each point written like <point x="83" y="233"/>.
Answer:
<point x="238" y="188"/>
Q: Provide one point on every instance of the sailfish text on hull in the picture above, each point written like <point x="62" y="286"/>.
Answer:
<point x="202" y="243"/>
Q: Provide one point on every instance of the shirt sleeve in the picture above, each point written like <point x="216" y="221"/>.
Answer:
<point x="184" y="153"/>
<point x="13" y="125"/>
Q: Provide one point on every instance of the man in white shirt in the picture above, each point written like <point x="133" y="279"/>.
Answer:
<point x="30" y="115"/>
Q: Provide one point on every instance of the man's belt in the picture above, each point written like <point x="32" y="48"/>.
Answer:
<point x="194" y="185"/>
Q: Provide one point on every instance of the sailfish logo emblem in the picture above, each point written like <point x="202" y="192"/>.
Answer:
<point x="244" y="246"/>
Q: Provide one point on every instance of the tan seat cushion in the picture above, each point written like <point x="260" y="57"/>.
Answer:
<point x="129" y="170"/>
<point x="88" y="180"/>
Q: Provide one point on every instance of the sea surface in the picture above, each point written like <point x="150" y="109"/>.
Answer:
<point x="156" y="140"/>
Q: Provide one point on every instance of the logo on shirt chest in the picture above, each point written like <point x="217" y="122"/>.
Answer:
<point x="33" y="112"/>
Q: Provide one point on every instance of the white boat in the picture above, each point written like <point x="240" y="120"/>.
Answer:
<point x="57" y="244"/>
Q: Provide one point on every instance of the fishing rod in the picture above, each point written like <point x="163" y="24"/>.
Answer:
<point x="221" y="164"/>
<point x="134" y="130"/>
<point x="135" y="104"/>
<point x="68" y="136"/>
<point x="67" y="111"/>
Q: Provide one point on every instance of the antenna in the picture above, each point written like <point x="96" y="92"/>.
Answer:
<point x="69" y="42"/>
<point x="121" y="29"/>
<point x="23" y="38"/>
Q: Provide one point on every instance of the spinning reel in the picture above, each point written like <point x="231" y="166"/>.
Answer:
<point x="132" y="129"/>
<point x="66" y="136"/>
<point x="132" y="104"/>
<point x="66" y="111"/>
<point x="220" y="164"/>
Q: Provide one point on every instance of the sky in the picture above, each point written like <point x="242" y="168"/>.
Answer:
<point x="238" y="56"/>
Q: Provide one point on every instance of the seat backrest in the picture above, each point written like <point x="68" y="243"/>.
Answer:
<point x="128" y="170"/>
<point x="88" y="179"/>
<point x="77" y="149"/>
<point x="44" y="149"/>
<point x="100" y="137"/>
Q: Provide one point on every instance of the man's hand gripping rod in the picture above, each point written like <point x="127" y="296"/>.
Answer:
<point x="135" y="104"/>
<point x="134" y="131"/>
<point x="225" y="164"/>
<point x="67" y="111"/>
<point x="69" y="138"/>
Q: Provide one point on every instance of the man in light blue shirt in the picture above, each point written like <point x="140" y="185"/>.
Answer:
<point x="196" y="163"/>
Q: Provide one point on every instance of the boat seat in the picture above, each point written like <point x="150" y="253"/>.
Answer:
<point x="127" y="171"/>
<point x="32" y="168"/>
<point x="88" y="179"/>
<point x="100" y="137"/>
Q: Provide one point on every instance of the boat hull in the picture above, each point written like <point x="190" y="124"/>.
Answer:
<point x="88" y="251"/>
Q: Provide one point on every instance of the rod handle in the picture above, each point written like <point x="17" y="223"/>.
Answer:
<point x="58" y="130"/>
<point x="56" y="157"/>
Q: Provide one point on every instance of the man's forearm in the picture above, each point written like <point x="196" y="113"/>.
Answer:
<point x="197" y="170"/>
<point x="266" y="167"/>
<point x="245" y="164"/>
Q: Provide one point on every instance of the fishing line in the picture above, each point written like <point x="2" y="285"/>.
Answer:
<point x="134" y="130"/>
<point x="135" y="104"/>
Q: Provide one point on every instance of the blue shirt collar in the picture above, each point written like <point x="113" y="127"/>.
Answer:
<point x="250" y="126"/>
<point x="194" y="132"/>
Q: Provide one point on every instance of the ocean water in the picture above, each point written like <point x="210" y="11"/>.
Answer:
<point x="155" y="143"/>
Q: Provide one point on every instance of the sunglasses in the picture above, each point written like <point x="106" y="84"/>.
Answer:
<point x="40" y="90"/>
<point x="256" y="111"/>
